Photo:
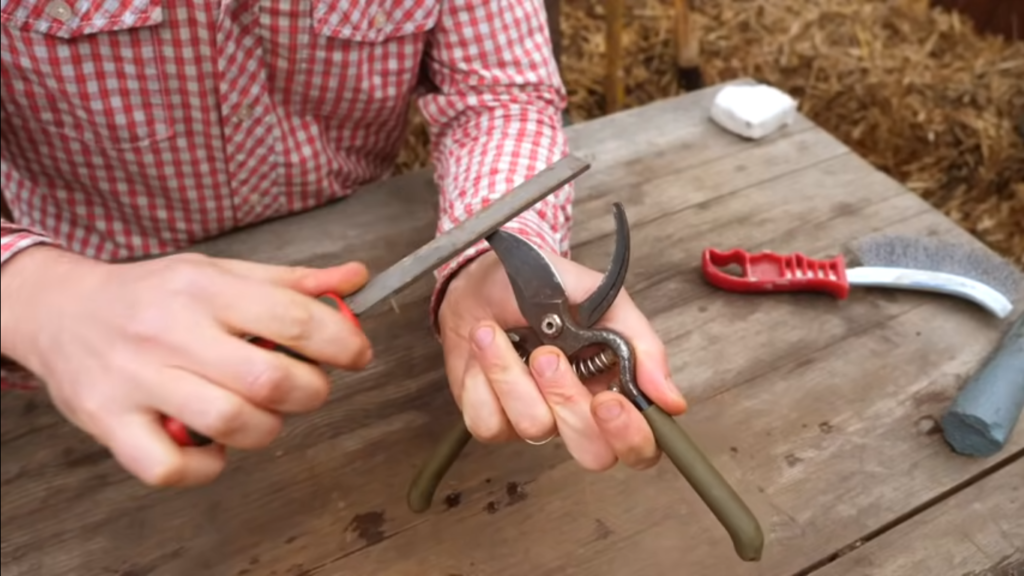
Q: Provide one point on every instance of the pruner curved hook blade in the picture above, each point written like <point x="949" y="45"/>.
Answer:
<point x="595" y="306"/>
<point x="552" y="320"/>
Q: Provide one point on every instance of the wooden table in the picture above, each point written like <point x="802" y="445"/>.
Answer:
<point x="822" y="413"/>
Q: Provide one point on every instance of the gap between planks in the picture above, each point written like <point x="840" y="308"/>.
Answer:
<point x="944" y="496"/>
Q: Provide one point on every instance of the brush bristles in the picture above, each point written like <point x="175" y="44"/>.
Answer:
<point x="937" y="255"/>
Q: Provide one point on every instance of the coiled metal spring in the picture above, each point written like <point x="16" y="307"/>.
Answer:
<point x="590" y="366"/>
<point x="586" y="367"/>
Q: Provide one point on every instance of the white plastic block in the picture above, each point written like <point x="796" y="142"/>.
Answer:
<point x="753" y="111"/>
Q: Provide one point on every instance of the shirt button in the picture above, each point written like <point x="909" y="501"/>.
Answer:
<point x="244" y="113"/>
<point x="380" y="19"/>
<point x="59" y="10"/>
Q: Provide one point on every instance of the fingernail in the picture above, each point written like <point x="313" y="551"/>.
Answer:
<point x="673" y="388"/>
<point x="546" y="364"/>
<point x="609" y="411"/>
<point x="483" y="336"/>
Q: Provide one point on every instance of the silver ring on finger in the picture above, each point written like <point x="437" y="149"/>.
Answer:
<point x="542" y="442"/>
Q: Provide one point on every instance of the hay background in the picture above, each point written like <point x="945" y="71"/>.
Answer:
<point x="917" y="92"/>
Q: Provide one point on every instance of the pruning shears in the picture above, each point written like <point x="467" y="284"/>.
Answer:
<point x="553" y="320"/>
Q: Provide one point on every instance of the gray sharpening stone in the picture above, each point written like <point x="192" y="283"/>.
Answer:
<point x="982" y="417"/>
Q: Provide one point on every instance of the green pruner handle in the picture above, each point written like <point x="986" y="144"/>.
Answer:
<point x="734" y="515"/>
<point x="710" y="485"/>
<point x="424" y="485"/>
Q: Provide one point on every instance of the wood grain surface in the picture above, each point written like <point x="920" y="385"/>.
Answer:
<point x="980" y="526"/>
<point x="822" y="413"/>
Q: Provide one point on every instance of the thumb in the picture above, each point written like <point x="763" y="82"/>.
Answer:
<point x="342" y="279"/>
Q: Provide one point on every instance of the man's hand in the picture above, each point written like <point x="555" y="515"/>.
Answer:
<point x="502" y="398"/>
<point x="117" y="345"/>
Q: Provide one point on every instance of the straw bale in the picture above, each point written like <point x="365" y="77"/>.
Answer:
<point x="916" y="91"/>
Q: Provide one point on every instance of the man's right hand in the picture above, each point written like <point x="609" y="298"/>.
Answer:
<point x="117" y="345"/>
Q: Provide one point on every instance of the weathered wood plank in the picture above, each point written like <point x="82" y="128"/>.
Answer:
<point x="363" y="404"/>
<point x="852" y="446"/>
<point x="976" y="532"/>
<point x="802" y="401"/>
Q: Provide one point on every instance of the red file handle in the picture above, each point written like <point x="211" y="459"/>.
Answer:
<point x="183" y="436"/>
<point x="770" y="272"/>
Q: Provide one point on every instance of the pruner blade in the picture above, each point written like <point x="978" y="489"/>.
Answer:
<point x="535" y="281"/>
<point x="595" y="306"/>
<point x="539" y="289"/>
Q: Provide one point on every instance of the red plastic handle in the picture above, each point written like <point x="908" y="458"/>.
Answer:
<point x="770" y="272"/>
<point x="183" y="436"/>
<point x="332" y="300"/>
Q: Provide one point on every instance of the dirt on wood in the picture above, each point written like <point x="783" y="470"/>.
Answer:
<point x="916" y="91"/>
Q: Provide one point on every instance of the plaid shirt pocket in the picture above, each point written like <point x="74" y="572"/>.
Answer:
<point x="89" y="71"/>
<point x="360" y="60"/>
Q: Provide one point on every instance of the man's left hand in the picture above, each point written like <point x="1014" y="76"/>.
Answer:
<point x="502" y="398"/>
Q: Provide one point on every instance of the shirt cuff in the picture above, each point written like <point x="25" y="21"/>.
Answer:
<point x="14" y="239"/>
<point x="528" y="226"/>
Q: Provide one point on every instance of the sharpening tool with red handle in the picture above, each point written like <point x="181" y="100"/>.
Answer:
<point x="424" y="260"/>
<point x="184" y="436"/>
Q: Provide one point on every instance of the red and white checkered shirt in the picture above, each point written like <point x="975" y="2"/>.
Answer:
<point x="137" y="127"/>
